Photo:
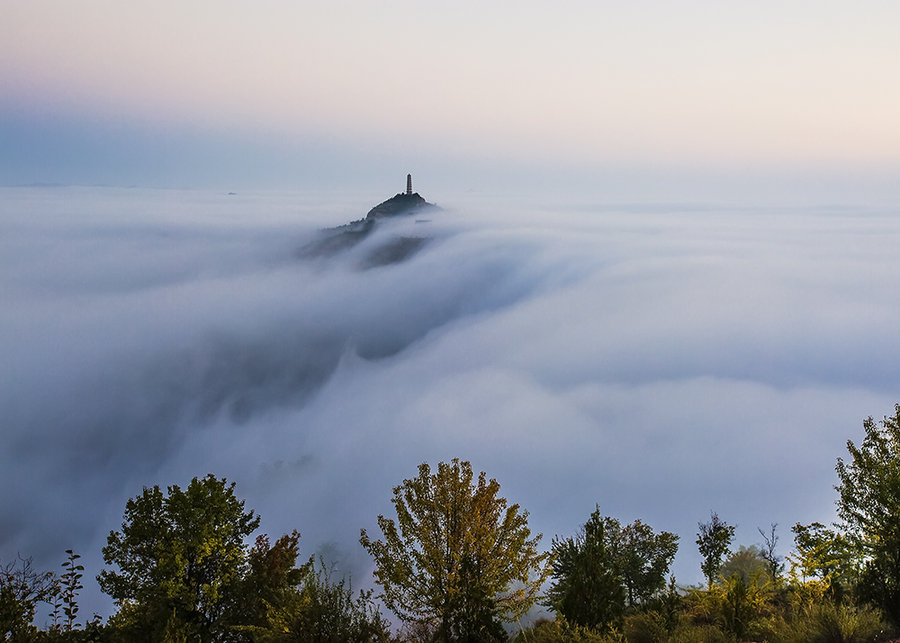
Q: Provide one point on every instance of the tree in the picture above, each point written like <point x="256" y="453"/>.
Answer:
<point x="747" y="562"/>
<point x="180" y="558"/>
<point x="323" y="610"/>
<point x="768" y="553"/>
<point x="869" y="506"/>
<point x="605" y="567"/>
<point x="646" y="557"/>
<point x="457" y="557"/>
<point x="22" y="588"/>
<point x="587" y="584"/>
<point x="742" y="603"/>
<point x="823" y="558"/>
<point x="713" y="540"/>
<point x="270" y="580"/>
<point x="281" y="602"/>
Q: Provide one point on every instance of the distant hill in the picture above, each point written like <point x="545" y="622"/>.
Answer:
<point x="399" y="204"/>
<point x="335" y="240"/>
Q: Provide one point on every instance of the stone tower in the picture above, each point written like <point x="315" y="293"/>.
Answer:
<point x="409" y="183"/>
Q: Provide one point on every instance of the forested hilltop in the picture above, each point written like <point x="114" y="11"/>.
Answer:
<point x="458" y="562"/>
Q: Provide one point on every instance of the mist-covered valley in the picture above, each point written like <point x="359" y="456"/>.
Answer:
<point x="658" y="361"/>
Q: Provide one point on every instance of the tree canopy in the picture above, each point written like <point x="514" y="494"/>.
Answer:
<point x="458" y="557"/>
<point x="458" y="563"/>
<point x="713" y="539"/>
<point x="22" y="588"/>
<point x="646" y="557"/>
<point x="607" y="567"/>
<point x="746" y="562"/>
<point x="180" y="553"/>
<point x="869" y="505"/>
<point x="823" y="557"/>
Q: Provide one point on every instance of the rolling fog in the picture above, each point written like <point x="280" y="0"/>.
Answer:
<point x="658" y="361"/>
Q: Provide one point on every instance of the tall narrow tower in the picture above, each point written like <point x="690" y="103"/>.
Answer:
<point x="409" y="183"/>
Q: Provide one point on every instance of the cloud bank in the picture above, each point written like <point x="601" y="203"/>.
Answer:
<point x="659" y="362"/>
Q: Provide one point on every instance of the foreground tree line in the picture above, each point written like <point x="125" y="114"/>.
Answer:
<point x="459" y="563"/>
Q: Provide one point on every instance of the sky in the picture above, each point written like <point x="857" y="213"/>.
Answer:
<point x="646" y="99"/>
<point x="663" y="281"/>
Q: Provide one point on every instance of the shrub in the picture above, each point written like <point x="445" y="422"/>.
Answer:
<point x="830" y="623"/>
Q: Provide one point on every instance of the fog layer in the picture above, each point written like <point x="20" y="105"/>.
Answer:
<point x="659" y="362"/>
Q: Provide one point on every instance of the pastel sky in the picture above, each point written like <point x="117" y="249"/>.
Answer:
<point x="144" y="92"/>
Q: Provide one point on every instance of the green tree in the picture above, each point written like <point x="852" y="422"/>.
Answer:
<point x="281" y="602"/>
<point x="458" y="557"/>
<point x="713" y="539"/>
<point x="323" y="611"/>
<point x="179" y="557"/>
<point x="587" y="589"/>
<point x="825" y="558"/>
<point x="22" y="588"/>
<point x="869" y="506"/>
<point x="646" y="557"/>
<point x="606" y="567"/>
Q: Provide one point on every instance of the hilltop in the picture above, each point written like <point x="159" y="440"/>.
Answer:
<point x="335" y="240"/>
<point x="408" y="203"/>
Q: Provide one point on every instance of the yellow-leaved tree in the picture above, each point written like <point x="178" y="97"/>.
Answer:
<point x="458" y="559"/>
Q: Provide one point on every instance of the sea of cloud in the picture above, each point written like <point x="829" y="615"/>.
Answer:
<point x="657" y="361"/>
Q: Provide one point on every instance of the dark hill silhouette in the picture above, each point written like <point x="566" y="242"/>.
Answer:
<point x="335" y="240"/>
<point x="399" y="204"/>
